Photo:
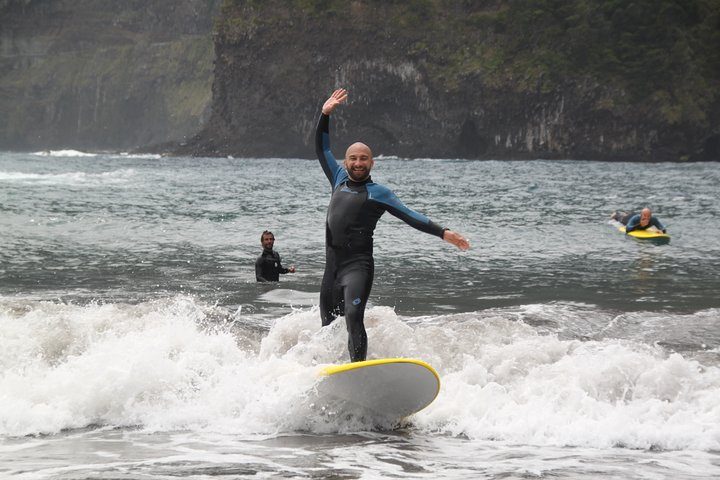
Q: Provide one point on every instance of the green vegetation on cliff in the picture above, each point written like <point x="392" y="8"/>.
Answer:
<point x="104" y="74"/>
<point x="663" y="55"/>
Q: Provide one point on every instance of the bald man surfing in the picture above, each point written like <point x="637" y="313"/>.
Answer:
<point x="638" y="221"/>
<point x="356" y="205"/>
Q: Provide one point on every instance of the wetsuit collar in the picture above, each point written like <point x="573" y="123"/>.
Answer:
<point x="353" y="183"/>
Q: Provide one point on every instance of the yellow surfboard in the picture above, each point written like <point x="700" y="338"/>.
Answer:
<point x="387" y="387"/>
<point x="649" y="234"/>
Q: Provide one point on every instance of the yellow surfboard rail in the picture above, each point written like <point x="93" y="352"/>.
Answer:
<point x="333" y="369"/>
<point x="646" y="234"/>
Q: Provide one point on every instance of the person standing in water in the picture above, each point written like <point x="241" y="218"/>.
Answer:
<point x="356" y="205"/>
<point x="268" y="266"/>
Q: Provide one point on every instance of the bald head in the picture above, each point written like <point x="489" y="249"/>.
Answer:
<point x="358" y="148"/>
<point x="358" y="161"/>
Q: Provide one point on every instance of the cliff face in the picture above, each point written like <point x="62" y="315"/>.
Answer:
<point x="103" y="74"/>
<point x="434" y="78"/>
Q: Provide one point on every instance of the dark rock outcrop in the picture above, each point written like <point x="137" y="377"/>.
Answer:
<point x="429" y="78"/>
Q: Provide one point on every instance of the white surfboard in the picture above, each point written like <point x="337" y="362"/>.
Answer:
<point x="387" y="387"/>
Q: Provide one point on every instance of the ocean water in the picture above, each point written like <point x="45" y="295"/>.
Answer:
<point x="135" y="343"/>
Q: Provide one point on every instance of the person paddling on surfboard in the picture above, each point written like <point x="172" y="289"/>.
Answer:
<point x="641" y="221"/>
<point x="356" y="205"/>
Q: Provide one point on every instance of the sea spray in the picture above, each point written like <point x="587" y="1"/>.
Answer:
<point x="117" y="365"/>
<point x="180" y="364"/>
<point x="536" y="389"/>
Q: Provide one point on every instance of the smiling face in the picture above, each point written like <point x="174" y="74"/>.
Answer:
<point x="358" y="161"/>
<point x="645" y="215"/>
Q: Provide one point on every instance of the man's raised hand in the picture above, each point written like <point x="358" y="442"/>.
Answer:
<point x="339" y="96"/>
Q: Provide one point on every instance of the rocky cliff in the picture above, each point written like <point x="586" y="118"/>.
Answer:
<point x="487" y="79"/>
<point x="104" y="74"/>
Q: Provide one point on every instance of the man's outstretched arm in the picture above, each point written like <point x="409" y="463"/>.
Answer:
<point x="632" y="224"/>
<point x="282" y="269"/>
<point x="322" y="136"/>
<point x="415" y="219"/>
<point x="656" y="223"/>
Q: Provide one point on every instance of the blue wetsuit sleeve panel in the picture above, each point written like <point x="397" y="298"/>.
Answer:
<point x="656" y="223"/>
<point x="322" y="149"/>
<point x="397" y="208"/>
<point x="632" y="224"/>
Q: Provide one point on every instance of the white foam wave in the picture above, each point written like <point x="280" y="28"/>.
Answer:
<point x="64" y="153"/>
<point x="176" y="364"/>
<point x="148" y="156"/>
<point x="160" y="365"/>
<point x="285" y="296"/>
<point x="64" y="178"/>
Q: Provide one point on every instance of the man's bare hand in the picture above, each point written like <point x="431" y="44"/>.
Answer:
<point x="339" y="96"/>
<point x="456" y="239"/>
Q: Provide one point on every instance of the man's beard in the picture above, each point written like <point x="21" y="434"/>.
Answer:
<point x="358" y="175"/>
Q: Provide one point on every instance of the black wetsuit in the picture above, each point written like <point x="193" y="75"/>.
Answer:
<point x="268" y="267"/>
<point x="622" y="217"/>
<point x="633" y="223"/>
<point x="353" y="213"/>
